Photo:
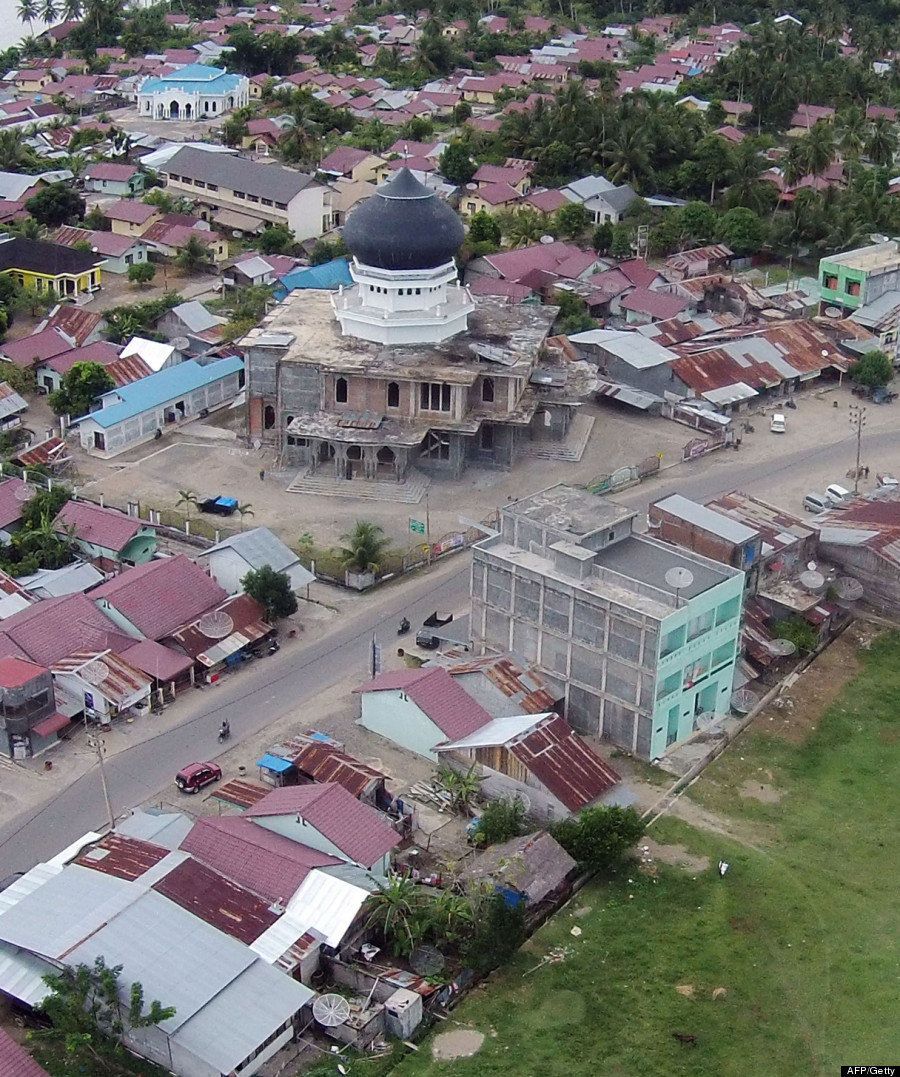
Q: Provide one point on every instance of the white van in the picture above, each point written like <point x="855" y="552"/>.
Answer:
<point x="837" y="495"/>
<point x="777" y="426"/>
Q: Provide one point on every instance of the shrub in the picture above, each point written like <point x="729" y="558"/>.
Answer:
<point x="600" y="838"/>
<point x="501" y="820"/>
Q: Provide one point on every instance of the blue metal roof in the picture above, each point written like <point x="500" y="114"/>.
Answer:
<point x="273" y="762"/>
<point x="329" y="275"/>
<point x="194" y="78"/>
<point x="158" y="389"/>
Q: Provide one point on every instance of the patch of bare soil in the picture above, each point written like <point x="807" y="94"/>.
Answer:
<point x="651" y="852"/>
<point x="796" y="713"/>
<point x="765" y="794"/>
<point x="458" y="1043"/>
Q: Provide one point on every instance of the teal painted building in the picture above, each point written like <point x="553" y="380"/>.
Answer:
<point x="857" y="278"/>
<point x="639" y="637"/>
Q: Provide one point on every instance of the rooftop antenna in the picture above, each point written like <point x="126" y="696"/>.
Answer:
<point x="678" y="578"/>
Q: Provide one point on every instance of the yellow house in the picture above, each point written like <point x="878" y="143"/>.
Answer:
<point x="348" y="162"/>
<point x="495" y="198"/>
<point x="50" y="267"/>
<point x="129" y="218"/>
<point x="32" y="81"/>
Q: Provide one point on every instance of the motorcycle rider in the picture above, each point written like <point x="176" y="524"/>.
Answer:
<point x="224" y="730"/>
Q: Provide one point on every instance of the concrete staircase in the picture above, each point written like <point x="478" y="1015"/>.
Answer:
<point x="572" y="448"/>
<point x="409" y="492"/>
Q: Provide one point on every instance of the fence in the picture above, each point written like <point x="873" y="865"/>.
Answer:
<point x="625" y="476"/>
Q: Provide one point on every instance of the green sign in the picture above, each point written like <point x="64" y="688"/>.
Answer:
<point x="417" y="526"/>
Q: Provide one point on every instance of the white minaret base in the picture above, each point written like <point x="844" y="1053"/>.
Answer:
<point x="411" y="306"/>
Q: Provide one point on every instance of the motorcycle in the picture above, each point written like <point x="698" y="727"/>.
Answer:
<point x="404" y="627"/>
<point x="274" y="646"/>
<point x="790" y="404"/>
<point x="224" y="732"/>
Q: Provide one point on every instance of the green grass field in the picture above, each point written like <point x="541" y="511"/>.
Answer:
<point x="801" y="933"/>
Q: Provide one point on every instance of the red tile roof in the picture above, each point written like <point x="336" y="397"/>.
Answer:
<point x="101" y="351"/>
<point x="268" y="864"/>
<point x="14" y="672"/>
<point x="658" y="305"/>
<point x="12" y="500"/>
<point x="157" y="661"/>
<point x="638" y="272"/>
<point x="105" y="170"/>
<point x="57" y="627"/>
<point x="162" y="595"/>
<point x="131" y="212"/>
<point x="122" y="856"/>
<point x="573" y="772"/>
<point x="343" y="160"/>
<point x="29" y="351"/>
<point x="15" y="1060"/>
<point x="326" y="763"/>
<point x="217" y="901"/>
<point x="353" y="827"/>
<point x="109" y="528"/>
<point x="438" y="696"/>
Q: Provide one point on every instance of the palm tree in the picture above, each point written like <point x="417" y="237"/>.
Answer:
<point x="851" y="126"/>
<point x="363" y="547"/>
<point x="523" y="227"/>
<point x="818" y="147"/>
<point x="463" y="788"/>
<point x="49" y="11"/>
<point x="72" y="10"/>
<point x="394" y="913"/>
<point x="27" y="12"/>
<point x="627" y="155"/>
<point x="245" y="510"/>
<point x="190" y="501"/>
<point x="881" y="145"/>
<point x="15" y="156"/>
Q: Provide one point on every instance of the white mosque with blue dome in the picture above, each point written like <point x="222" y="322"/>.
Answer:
<point x="195" y="92"/>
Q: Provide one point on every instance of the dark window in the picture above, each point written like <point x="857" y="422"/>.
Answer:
<point x="269" y="417"/>
<point x="393" y="395"/>
<point x="487" y="438"/>
<point x="487" y="390"/>
<point x="340" y="391"/>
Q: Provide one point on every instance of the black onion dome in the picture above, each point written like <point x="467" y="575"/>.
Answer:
<point x="403" y="226"/>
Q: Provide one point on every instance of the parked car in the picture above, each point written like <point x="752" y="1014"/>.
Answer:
<point x="881" y="395"/>
<point x="219" y="506"/>
<point x="816" y="503"/>
<point x="838" y="495"/>
<point x="195" y="776"/>
<point x="778" y="424"/>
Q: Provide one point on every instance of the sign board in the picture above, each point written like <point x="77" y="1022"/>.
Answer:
<point x="417" y="526"/>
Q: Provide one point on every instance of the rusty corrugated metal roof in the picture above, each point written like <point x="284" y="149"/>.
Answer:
<point x="240" y="792"/>
<point x="122" y="856"/>
<point x="111" y="675"/>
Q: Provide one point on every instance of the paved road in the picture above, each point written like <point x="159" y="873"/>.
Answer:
<point x="273" y="686"/>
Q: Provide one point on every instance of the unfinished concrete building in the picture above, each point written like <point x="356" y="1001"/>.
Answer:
<point x="639" y="637"/>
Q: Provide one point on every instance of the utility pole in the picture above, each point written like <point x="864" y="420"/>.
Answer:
<point x="96" y="742"/>
<point x="857" y="422"/>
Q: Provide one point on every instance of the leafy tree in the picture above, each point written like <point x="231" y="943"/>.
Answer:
<point x="276" y="239"/>
<point x="20" y="379"/>
<point x="86" y="1006"/>
<point x="141" y="273"/>
<point x="573" y="314"/>
<point x="463" y="787"/>
<point x="96" y="221"/>
<point x="874" y="369"/>
<point x="272" y="590"/>
<point x="497" y="932"/>
<point x="456" y="163"/>
<point x="193" y="255"/>
<point x="234" y="129"/>
<point x="621" y="241"/>
<point x="364" y="547"/>
<point x="56" y="204"/>
<point x="484" y="228"/>
<point x="462" y="112"/>
<point x="81" y="387"/>
<point x="716" y="160"/>
<point x="600" y="837"/>
<point x="500" y="820"/>
<point x="572" y="220"/>
<point x="523" y="227"/>
<point x="602" y="238"/>
<point x="799" y="632"/>
<point x="742" y="230"/>
<point x="325" y="251"/>
<point x="698" y="222"/>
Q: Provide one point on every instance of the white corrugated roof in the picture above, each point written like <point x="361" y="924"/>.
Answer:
<point x="326" y="905"/>
<point x="499" y="731"/>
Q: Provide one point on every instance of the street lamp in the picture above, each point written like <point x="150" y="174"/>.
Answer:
<point x="857" y="422"/>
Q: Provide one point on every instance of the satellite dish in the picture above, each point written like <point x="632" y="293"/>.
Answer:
<point x="781" y="648"/>
<point x="426" y="960"/>
<point x="743" y="700"/>
<point x="180" y="344"/>
<point x="848" y="589"/>
<point x="705" y="722"/>
<point x="812" y="566"/>
<point x="679" y="578"/>
<point x="471" y="186"/>
<point x="216" y="625"/>
<point x="24" y="493"/>
<point x="833" y="312"/>
<point x="331" y="1010"/>
<point x="257" y="444"/>
<point x="547" y="239"/>
<point x="95" y="672"/>
<point x="812" y="581"/>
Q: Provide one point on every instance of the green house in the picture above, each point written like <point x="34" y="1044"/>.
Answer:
<point x="856" y="278"/>
<point x="106" y="537"/>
